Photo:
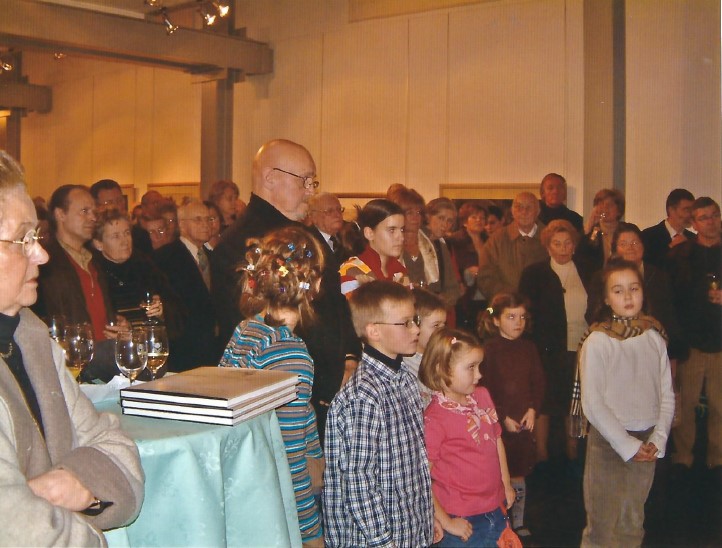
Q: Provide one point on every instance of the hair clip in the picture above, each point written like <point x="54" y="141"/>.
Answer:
<point x="281" y="289"/>
<point x="309" y="253"/>
<point x="291" y="246"/>
<point x="251" y="284"/>
<point x="282" y="271"/>
<point x="250" y="267"/>
<point x="304" y="285"/>
<point x="453" y="340"/>
<point x="490" y="310"/>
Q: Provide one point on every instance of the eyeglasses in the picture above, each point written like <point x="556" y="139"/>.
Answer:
<point x="198" y="219"/>
<point x="28" y="241"/>
<point x="412" y="212"/>
<point x="157" y="232"/>
<point x="308" y="182"/>
<point x="114" y="202"/>
<point x="331" y="210"/>
<point x="625" y="245"/>
<point x="705" y="218"/>
<point x="408" y="324"/>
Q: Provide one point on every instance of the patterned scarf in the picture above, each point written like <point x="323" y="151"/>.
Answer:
<point x="474" y="414"/>
<point x="617" y="328"/>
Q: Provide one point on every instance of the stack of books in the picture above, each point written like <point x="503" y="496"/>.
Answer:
<point x="213" y="395"/>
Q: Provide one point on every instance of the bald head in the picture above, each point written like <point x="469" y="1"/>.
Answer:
<point x="279" y="170"/>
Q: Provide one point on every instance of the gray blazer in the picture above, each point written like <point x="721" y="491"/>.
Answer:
<point x="77" y="438"/>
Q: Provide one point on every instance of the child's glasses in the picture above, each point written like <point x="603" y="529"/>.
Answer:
<point x="408" y="324"/>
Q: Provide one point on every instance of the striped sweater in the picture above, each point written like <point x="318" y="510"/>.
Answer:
<point x="257" y="345"/>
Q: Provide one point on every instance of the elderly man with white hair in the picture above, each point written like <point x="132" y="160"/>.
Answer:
<point x="512" y="248"/>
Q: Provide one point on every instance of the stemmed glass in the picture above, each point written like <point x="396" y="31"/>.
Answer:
<point x="157" y="341"/>
<point x="78" y="345"/>
<point x="131" y="353"/>
<point x="56" y="327"/>
<point x="145" y="305"/>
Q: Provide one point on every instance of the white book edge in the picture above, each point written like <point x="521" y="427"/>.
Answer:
<point x="127" y="403"/>
<point x="222" y="421"/>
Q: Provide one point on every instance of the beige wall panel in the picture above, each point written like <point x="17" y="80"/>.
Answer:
<point x="114" y="125"/>
<point x="73" y="131"/>
<point x="144" y="128"/>
<point x="176" y="128"/>
<point x="426" y="157"/>
<point x="673" y="104"/>
<point x="365" y="79"/>
<point x="37" y="150"/>
<point x="506" y="92"/>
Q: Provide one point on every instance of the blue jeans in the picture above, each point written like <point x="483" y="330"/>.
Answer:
<point x="486" y="529"/>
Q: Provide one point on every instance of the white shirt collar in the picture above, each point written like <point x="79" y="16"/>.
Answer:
<point x="193" y="248"/>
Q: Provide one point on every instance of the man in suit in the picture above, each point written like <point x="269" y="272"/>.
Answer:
<point x="552" y="206"/>
<point x="185" y="263"/>
<point x="333" y="341"/>
<point x="672" y="231"/>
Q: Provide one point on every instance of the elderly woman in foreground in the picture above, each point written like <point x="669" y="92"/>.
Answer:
<point x="66" y="471"/>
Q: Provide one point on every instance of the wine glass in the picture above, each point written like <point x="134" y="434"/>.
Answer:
<point x="157" y="343"/>
<point x="56" y="327"/>
<point x="78" y="345"/>
<point x="145" y="305"/>
<point x="131" y="353"/>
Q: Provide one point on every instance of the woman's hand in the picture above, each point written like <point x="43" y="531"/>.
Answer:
<point x="120" y="324"/>
<point x="62" y="488"/>
<point x="511" y="425"/>
<point x="527" y="421"/>
<point x="155" y="310"/>
<point x="459" y="527"/>
<point x="510" y="495"/>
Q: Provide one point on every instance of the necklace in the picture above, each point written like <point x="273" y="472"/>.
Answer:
<point x="6" y="355"/>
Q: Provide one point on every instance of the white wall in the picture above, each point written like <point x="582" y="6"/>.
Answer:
<point x="110" y="120"/>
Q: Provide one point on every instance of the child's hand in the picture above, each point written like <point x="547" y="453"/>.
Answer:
<point x="511" y="425"/>
<point x="438" y="531"/>
<point x="459" y="527"/>
<point x="647" y="452"/>
<point x="510" y="495"/>
<point x="527" y="421"/>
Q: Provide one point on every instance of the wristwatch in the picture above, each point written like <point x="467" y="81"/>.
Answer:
<point x="96" y="507"/>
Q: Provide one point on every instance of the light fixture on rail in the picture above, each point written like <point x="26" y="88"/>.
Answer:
<point x="208" y="16"/>
<point x="221" y="7"/>
<point x="6" y="65"/>
<point x="170" y="28"/>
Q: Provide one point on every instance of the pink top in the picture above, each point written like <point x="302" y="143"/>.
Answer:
<point x="466" y="474"/>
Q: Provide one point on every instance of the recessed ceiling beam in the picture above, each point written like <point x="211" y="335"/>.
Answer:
<point x="27" y="24"/>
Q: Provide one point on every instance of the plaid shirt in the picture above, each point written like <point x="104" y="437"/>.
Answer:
<point x="377" y="488"/>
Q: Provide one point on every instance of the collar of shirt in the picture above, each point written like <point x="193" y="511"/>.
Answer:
<point x="392" y="363"/>
<point x="529" y="234"/>
<point x="326" y="237"/>
<point x="193" y="248"/>
<point x="671" y="230"/>
<point x="82" y="256"/>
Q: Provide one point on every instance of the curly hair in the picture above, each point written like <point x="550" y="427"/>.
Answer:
<point x="443" y="346"/>
<point x="104" y="219"/>
<point x="281" y="271"/>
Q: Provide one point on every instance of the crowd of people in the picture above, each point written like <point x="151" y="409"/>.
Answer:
<point x="443" y="353"/>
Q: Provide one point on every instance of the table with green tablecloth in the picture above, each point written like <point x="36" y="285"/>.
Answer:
<point x="210" y="485"/>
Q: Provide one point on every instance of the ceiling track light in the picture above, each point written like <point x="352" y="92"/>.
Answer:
<point x="208" y="16"/>
<point x="6" y="65"/>
<point x="170" y="28"/>
<point x="152" y="3"/>
<point x="221" y="7"/>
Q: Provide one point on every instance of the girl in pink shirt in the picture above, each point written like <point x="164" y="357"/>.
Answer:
<point x="470" y="478"/>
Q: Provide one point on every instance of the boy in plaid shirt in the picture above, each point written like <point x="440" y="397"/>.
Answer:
<point x="377" y="488"/>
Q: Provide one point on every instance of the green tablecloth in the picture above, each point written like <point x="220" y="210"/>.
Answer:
<point x="210" y="485"/>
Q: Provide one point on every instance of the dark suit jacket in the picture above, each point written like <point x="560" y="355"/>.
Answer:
<point x="258" y="219"/>
<point x="197" y="345"/>
<point x="333" y="335"/>
<point x="656" y="241"/>
<point x="544" y="290"/>
<point x="548" y="214"/>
